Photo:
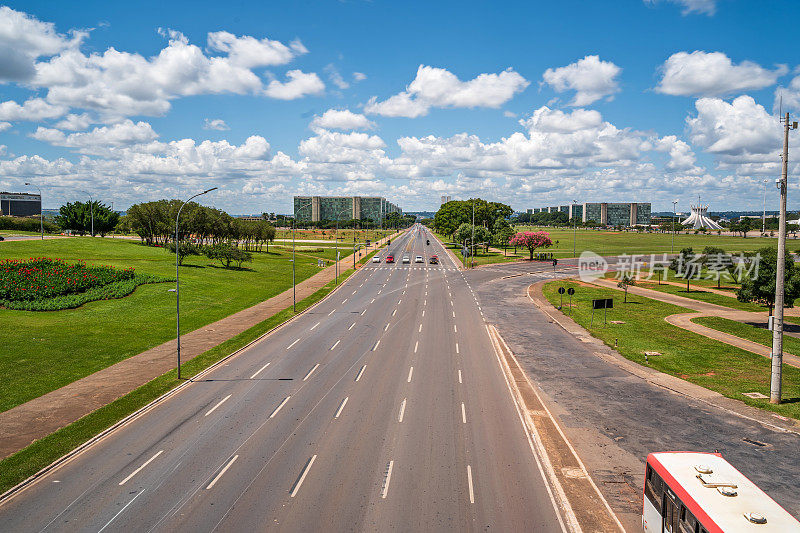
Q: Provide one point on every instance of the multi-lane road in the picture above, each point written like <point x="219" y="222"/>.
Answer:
<point x="383" y="407"/>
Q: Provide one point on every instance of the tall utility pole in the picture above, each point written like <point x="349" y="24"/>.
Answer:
<point x="574" y="229"/>
<point x="764" y="215"/>
<point x="674" y="203"/>
<point x="472" y="252"/>
<point x="41" y="220"/>
<point x="777" y="323"/>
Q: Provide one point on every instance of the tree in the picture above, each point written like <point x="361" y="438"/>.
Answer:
<point x="625" y="282"/>
<point x="685" y="265"/>
<point x="532" y="240"/>
<point x="502" y="233"/>
<point x="759" y="286"/>
<point x="77" y="217"/>
<point x="718" y="262"/>
<point x="227" y="254"/>
<point x="186" y="250"/>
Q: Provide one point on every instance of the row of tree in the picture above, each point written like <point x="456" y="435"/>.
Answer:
<point x="93" y="217"/>
<point x="451" y="215"/>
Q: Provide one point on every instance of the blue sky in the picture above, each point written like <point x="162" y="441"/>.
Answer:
<point x="531" y="103"/>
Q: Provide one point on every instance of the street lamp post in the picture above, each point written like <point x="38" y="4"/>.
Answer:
<point x="91" y="208"/>
<point x="294" y="284"/>
<point x="472" y="241"/>
<point x="674" y="203"/>
<point x="574" y="229"/>
<point x="764" y="214"/>
<point x="336" y="239"/>
<point x="177" y="276"/>
<point x="41" y="220"/>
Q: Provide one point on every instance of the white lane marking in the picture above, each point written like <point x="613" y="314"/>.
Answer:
<point x="416" y="345"/>
<point x="314" y="326"/>
<point x="259" y="371"/>
<point x="425" y="302"/>
<point x="454" y="314"/>
<point x="379" y="291"/>
<point x="398" y="301"/>
<point x="420" y="329"/>
<point x="362" y="312"/>
<point x="463" y="413"/>
<point x="303" y="475"/>
<point x="394" y="312"/>
<point x="295" y="342"/>
<point x="403" y="292"/>
<point x="225" y="399"/>
<point x="469" y="482"/>
<point x="335" y="344"/>
<point x="159" y="452"/>
<point x="386" y="327"/>
<point x="402" y="410"/>
<point x="457" y="348"/>
<point x="333" y="311"/>
<point x="426" y="293"/>
<point x="356" y="291"/>
<point x="376" y="345"/>
<point x="351" y="326"/>
<point x="360" y="372"/>
<point x="339" y="411"/>
<point x="373" y="300"/>
<point x="459" y="376"/>
<point x="386" y="481"/>
<point x="120" y="511"/>
<point x="410" y="373"/>
<point x="455" y="328"/>
<point x="423" y="312"/>
<point x="344" y="301"/>
<point x="451" y="303"/>
<point x="311" y="372"/>
<point x="227" y="466"/>
<point x="275" y="412"/>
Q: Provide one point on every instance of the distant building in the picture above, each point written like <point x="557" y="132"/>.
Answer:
<point x="604" y="213"/>
<point x="19" y="204"/>
<point x="316" y="208"/>
<point x="699" y="218"/>
<point x="446" y="199"/>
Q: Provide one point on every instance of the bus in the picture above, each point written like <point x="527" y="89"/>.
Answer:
<point x="690" y="492"/>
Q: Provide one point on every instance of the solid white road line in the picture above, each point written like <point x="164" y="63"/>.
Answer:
<point x="295" y="342"/>
<point x="336" y="344"/>
<point x="386" y="481"/>
<point x="360" y="372"/>
<point x="457" y="348"/>
<point x="376" y="345"/>
<point x="225" y="399"/>
<point x="416" y="345"/>
<point x="227" y="466"/>
<point x="459" y="376"/>
<point x="469" y="482"/>
<point x="351" y="326"/>
<point x="339" y="411"/>
<point x="275" y="412"/>
<point x="314" y="326"/>
<point x="259" y="371"/>
<point x="410" y="373"/>
<point x="463" y="413"/>
<point x="386" y="326"/>
<point x="402" y="410"/>
<point x="455" y="328"/>
<point x="303" y="476"/>
<point x="159" y="452"/>
<point x="311" y="371"/>
<point x="120" y="511"/>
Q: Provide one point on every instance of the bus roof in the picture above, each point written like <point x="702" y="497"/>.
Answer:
<point x="686" y="472"/>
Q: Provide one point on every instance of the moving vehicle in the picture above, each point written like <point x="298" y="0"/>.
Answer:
<point x="406" y="259"/>
<point x="390" y="258"/>
<point x="428" y="242"/>
<point x="418" y="259"/>
<point x="434" y="260"/>
<point x="703" y="493"/>
<point x="376" y="259"/>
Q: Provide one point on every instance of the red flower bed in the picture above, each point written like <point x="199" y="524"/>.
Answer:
<point x="40" y="278"/>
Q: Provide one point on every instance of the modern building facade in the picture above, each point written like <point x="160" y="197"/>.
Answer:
<point x="316" y="208"/>
<point x="446" y="198"/>
<point x="605" y="213"/>
<point x="20" y="204"/>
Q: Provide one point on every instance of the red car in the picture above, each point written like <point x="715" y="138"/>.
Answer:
<point x="390" y="259"/>
<point x="434" y="260"/>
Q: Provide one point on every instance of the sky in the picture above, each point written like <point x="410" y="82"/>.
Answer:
<point x="528" y="103"/>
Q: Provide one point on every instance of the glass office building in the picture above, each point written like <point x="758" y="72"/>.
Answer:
<point x="316" y="208"/>
<point x="605" y="213"/>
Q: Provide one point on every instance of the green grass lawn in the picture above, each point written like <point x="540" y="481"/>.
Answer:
<point x="606" y="242"/>
<point x="708" y="363"/>
<point x="751" y="333"/>
<point x="43" y="351"/>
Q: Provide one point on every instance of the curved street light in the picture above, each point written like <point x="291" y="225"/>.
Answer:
<point x="41" y="220"/>
<point x="177" y="275"/>
<point x="91" y="208"/>
<point x="294" y="284"/>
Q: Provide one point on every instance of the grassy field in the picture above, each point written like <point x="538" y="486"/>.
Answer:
<point x="481" y="258"/>
<point x="23" y="464"/>
<point x="43" y="351"/>
<point x="751" y="333"/>
<point x="705" y="362"/>
<point x="606" y="242"/>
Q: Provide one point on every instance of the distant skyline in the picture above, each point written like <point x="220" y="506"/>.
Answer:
<point x="528" y="103"/>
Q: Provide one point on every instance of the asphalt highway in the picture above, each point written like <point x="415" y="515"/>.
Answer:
<point x="382" y="408"/>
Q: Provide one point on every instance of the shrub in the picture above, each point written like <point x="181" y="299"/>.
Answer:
<point x="42" y="278"/>
<point x="227" y="254"/>
<point x="186" y="249"/>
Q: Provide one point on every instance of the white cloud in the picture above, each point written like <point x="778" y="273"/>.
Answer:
<point x="215" y="124"/>
<point x="249" y="52"/>
<point x="4" y="126"/>
<point x="438" y="87"/>
<point x="712" y="74"/>
<point x="549" y="120"/>
<point x="335" y="77"/>
<point x="359" y="76"/>
<point x="23" y="39"/>
<point x="681" y="156"/>
<point x="300" y="84"/>
<point x="34" y="109"/>
<point x="509" y="114"/>
<point x="99" y="139"/>
<point x="342" y="120"/>
<point x="590" y="78"/>
<point x="788" y="98"/>
<point x="708" y="7"/>
<point x="74" y="122"/>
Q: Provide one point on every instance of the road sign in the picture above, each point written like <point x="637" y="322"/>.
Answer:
<point x="571" y="291"/>
<point x="561" y="290"/>
<point x="601" y="303"/>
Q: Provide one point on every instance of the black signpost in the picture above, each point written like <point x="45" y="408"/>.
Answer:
<point x="570" y="291"/>
<point x="601" y="303"/>
<point x="561" y="294"/>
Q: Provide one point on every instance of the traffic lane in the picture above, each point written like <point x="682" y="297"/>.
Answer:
<point x="615" y="419"/>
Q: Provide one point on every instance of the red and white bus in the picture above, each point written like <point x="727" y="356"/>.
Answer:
<point x="689" y="492"/>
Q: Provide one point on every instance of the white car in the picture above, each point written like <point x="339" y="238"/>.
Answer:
<point x="418" y="259"/>
<point x="376" y="259"/>
<point x="406" y="259"/>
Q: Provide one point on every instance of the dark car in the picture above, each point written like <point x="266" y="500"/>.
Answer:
<point x="428" y="242"/>
<point x="390" y="259"/>
<point x="434" y="260"/>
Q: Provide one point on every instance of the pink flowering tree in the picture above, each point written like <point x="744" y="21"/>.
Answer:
<point x="531" y="240"/>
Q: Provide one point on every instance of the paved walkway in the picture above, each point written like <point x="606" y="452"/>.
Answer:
<point x="41" y="416"/>
<point x="700" y="309"/>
